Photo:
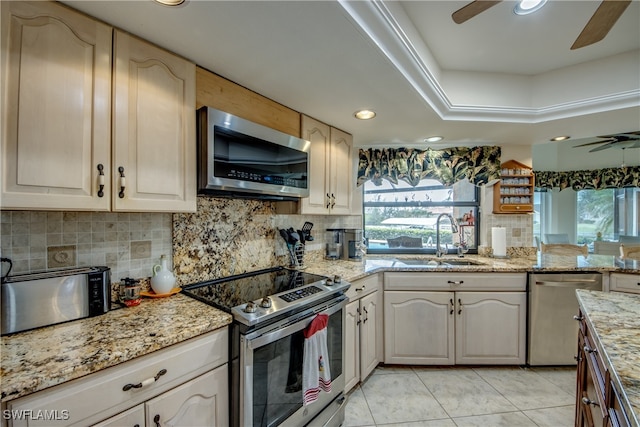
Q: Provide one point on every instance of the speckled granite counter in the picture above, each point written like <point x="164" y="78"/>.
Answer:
<point x="350" y="270"/>
<point x="35" y="360"/>
<point x="615" y="320"/>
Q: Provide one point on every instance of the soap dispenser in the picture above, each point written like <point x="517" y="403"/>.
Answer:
<point x="163" y="279"/>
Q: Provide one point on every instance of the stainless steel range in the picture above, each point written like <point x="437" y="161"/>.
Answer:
<point x="272" y="309"/>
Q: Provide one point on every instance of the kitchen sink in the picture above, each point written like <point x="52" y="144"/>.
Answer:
<point x="432" y="262"/>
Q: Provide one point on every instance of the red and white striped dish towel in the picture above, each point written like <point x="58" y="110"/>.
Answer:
<point x="316" y="375"/>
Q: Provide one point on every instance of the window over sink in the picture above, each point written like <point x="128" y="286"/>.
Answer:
<point x="400" y="218"/>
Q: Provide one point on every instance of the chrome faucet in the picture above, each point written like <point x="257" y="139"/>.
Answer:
<point x="454" y="229"/>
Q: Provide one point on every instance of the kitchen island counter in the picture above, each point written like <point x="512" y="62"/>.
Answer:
<point x="34" y="360"/>
<point x="615" y="320"/>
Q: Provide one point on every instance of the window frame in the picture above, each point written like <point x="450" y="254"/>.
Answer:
<point x="476" y="205"/>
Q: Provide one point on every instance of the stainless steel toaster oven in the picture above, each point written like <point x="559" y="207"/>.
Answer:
<point x="40" y="299"/>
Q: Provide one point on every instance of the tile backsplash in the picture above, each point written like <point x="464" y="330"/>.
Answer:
<point x="129" y="243"/>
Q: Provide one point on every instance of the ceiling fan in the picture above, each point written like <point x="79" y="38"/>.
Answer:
<point x="619" y="140"/>
<point x="596" y="29"/>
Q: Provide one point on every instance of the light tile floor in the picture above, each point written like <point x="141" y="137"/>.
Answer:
<point x="464" y="396"/>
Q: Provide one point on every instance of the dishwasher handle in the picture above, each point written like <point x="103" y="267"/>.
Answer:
<point x="567" y="283"/>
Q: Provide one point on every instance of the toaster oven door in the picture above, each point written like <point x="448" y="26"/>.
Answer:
<point x="34" y="303"/>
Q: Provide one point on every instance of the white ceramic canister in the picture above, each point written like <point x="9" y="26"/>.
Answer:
<point x="163" y="279"/>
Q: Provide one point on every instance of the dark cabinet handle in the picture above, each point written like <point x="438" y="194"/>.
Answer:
<point x="578" y="318"/>
<point x="148" y="381"/>
<point x="156" y="420"/>
<point x="333" y="201"/>
<point x="136" y="425"/>
<point x="358" y="311"/>
<point x="366" y="317"/>
<point x="588" y="349"/>
<point x="455" y="282"/>
<point x="122" y="182"/>
<point x="452" y="306"/>
<point x="588" y="401"/>
<point x="100" y="180"/>
<point x="328" y="200"/>
<point x="459" y="306"/>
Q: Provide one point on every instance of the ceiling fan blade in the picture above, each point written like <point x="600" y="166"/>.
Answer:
<point x="604" y="141"/>
<point x="601" y="22"/>
<point x="604" y="147"/>
<point x="472" y="9"/>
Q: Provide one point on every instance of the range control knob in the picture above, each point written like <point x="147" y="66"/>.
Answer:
<point x="250" y="307"/>
<point x="337" y="279"/>
<point x="266" y="302"/>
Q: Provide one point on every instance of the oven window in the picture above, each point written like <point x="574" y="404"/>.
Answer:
<point x="277" y="373"/>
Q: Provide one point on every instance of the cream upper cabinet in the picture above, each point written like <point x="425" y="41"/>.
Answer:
<point x="77" y="132"/>
<point x="154" y="150"/>
<point x="56" y="67"/>
<point x="330" y="169"/>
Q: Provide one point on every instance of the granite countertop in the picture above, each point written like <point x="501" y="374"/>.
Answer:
<point x="615" y="319"/>
<point x="350" y="270"/>
<point x="34" y="360"/>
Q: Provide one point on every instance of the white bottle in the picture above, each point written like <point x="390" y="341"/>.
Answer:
<point x="163" y="279"/>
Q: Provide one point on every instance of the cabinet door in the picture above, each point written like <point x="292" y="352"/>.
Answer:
<point x="490" y="327"/>
<point x="318" y="134"/>
<point x="154" y="129"/>
<point x="419" y="328"/>
<point x="133" y="417"/>
<point x="203" y="401"/>
<point x="352" y="345"/>
<point x="371" y="310"/>
<point x="56" y="67"/>
<point x="340" y="182"/>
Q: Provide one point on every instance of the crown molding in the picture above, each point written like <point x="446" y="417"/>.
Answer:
<point x="390" y="32"/>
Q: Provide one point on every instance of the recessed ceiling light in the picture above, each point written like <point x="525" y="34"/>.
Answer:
<point x="365" y="114"/>
<point x="560" y="138"/>
<point x="525" y="7"/>
<point x="433" y="139"/>
<point x="170" y="2"/>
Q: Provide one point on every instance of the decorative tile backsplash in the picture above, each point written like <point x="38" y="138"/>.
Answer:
<point x="129" y="243"/>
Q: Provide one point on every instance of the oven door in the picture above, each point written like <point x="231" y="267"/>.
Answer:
<point x="271" y="371"/>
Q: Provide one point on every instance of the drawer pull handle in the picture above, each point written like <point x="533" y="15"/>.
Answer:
<point x="588" y="401"/>
<point x="156" y="420"/>
<point x="578" y="318"/>
<point x="455" y="282"/>
<point x="588" y="349"/>
<point x="145" y="382"/>
<point x="360" y="289"/>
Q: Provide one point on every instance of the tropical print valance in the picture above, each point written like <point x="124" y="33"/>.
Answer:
<point x="597" y="179"/>
<point x="477" y="164"/>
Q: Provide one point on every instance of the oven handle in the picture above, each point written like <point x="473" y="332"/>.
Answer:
<point x="261" y="340"/>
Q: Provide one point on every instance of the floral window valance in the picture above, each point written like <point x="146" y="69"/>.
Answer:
<point x="598" y="179"/>
<point x="477" y="164"/>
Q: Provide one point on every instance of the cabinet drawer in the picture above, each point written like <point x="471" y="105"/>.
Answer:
<point x="101" y="395"/>
<point x="364" y="286"/>
<point x="455" y="281"/>
<point x="624" y="283"/>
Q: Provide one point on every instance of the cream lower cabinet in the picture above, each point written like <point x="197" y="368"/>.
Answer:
<point x="482" y="321"/>
<point x="363" y="330"/>
<point x="79" y="136"/>
<point x="183" y="385"/>
<point x="330" y="169"/>
<point x="624" y="282"/>
<point x="202" y="401"/>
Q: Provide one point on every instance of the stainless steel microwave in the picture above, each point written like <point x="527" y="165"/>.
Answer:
<point x="239" y="158"/>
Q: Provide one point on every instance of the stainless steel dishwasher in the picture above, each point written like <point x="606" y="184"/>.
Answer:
<point x="553" y="333"/>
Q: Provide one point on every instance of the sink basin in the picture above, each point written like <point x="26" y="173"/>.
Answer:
<point x="431" y="262"/>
